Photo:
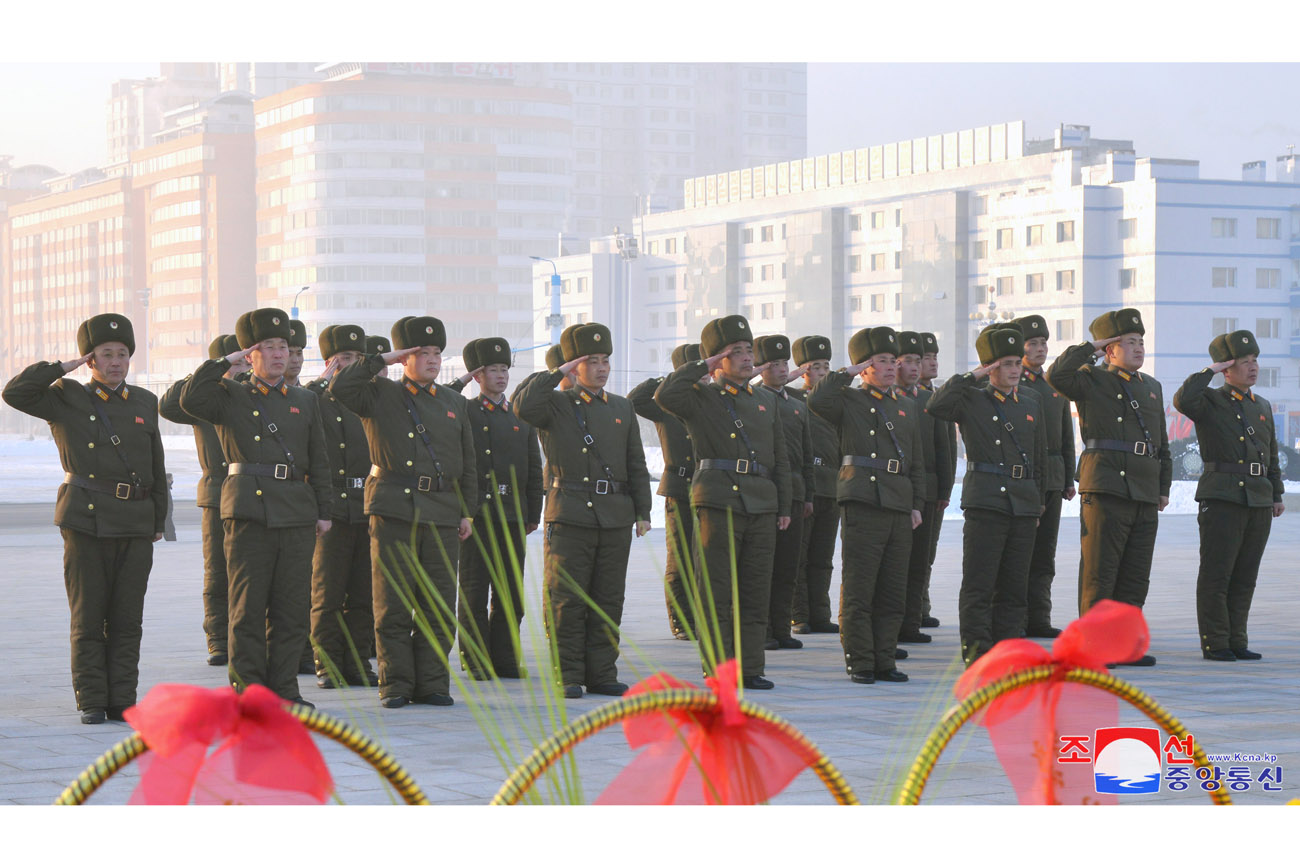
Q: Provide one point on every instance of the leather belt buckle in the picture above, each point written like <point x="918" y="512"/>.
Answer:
<point x="122" y="491"/>
<point x="503" y="489"/>
<point x="424" y="483"/>
<point x="1256" y="469"/>
<point x="817" y="461"/>
<point x="1018" y="471"/>
<point x="681" y="471"/>
<point x="893" y="466"/>
<point x="742" y="466"/>
<point x="602" y="487"/>
<point x="1140" y="449"/>
<point x="282" y="471"/>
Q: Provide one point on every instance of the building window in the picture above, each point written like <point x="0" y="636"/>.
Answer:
<point x="1033" y="283"/>
<point x="1006" y="285"/>
<point x="1223" y="227"/>
<point x="747" y="275"/>
<point x="654" y="320"/>
<point x="898" y="302"/>
<point x="981" y="205"/>
<point x="898" y="260"/>
<point x="878" y="303"/>
<point x="877" y="261"/>
<point x="768" y="233"/>
<point x="1268" y="278"/>
<point x="582" y="285"/>
<point x="1033" y="236"/>
<point x="1223" y="278"/>
<point x="1128" y="278"/>
<point x="1064" y="231"/>
<point x="1065" y="281"/>
<point x="652" y="284"/>
<point x="1006" y="238"/>
<point x="1065" y="329"/>
<point x="1127" y="229"/>
<point x="898" y="216"/>
<point x="1268" y="228"/>
<point x="767" y="311"/>
<point x="1268" y="377"/>
<point x="855" y="222"/>
<point x="981" y="249"/>
<point x="652" y="248"/>
<point x="769" y="271"/>
<point x="1220" y="326"/>
<point x="855" y="303"/>
<point x="670" y="283"/>
<point x="1267" y="329"/>
<point x="783" y="270"/>
<point x="670" y="246"/>
<point x="855" y="264"/>
<point x="747" y="236"/>
<point x="877" y="219"/>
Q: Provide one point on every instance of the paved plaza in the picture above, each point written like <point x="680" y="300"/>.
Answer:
<point x="871" y="733"/>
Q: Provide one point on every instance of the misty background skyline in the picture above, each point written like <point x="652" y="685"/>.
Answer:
<point x="1222" y="114"/>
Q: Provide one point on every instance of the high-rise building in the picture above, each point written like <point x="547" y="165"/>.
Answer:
<point x="136" y="106"/>
<point x="411" y="189"/>
<point x="265" y="79"/>
<point x="950" y="232"/>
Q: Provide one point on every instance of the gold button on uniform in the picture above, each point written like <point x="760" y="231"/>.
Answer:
<point x="90" y="444"/>
<point x="338" y="417"/>
<point x="873" y="478"/>
<point x="340" y="471"/>
<point x="91" y="506"/>
<point x="410" y="435"/>
<point x="406" y="490"/>
<point x="409" y="463"/>
<point x="734" y="488"/>
<point x="259" y="493"/>
<point x="489" y="450"/>
<point x="256" y="413"/>
<point x="257" y="438"/>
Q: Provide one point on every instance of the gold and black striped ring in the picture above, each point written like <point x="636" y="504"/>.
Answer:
<point x="919" y="773"/>
<point x="564" y="740"/>
<point x="340" y="732"/>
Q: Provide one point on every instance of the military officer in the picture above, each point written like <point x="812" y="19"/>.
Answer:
<point x="1125" y="471"/>
<point x="675" y="488"/>
<point x="378" y="345"/>
<point x="274" y="502"/>
<point x="111" y="506"/>
<point x="772" y="355"/>
<point x="509" y="464"/>
<point x="938" y="484"/>
<point x="1003" y="492"/>
<point x="297" y="344"/>
<point x="599" y="489"/>
<point x="1240" y="490"/>
<point x="342" y="618"/>
<point x="212" y="461"/>
<point x="741" y="491"/>
<point x="929" y="370"/>
<point x="810" y="609"/>
<point x="881" y="493"/>
<point x="422" y="481"/>
<point x="1058" y="431"/>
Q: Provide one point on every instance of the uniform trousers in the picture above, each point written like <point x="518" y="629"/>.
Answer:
<point x="918" y="569"/>
<point x="1232" y="545"/>
<point x="996" y="549"/>
<point x="105" y="579"/>
<point x="216" y="591"/>
<point x="586" y="561"/>
<point x="679" y="528"/>
<point x="811" y="598"/>
<point x="491" y="601"/>
<point x="1042" y="566"/>
<point x="875" y="545"/>
<point x="743" y="545"/>
<point x="1117" y="542"/>
<point x="787" y="559"/>
<point x="342" y="619"/>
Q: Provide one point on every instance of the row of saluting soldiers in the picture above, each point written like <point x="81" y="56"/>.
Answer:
<point x="319" y="502"/>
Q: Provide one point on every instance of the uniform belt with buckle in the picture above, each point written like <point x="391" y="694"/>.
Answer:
<point x="1256" y="469"/>
<point x="893" y="466"/>
<point x="118" y="489"/>
<point x="679" y="471"/>
<point x="1141" y="449"/>
<point x="817" y="461"/>
<point x="600" y="488"/>
<point x="278" y="471"/>
<point x="740" y="467"/>
<point x="422" y="483"/>
<point x="1016" y="470"/>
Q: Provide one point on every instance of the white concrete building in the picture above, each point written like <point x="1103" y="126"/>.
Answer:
<point x="948" y="232"/>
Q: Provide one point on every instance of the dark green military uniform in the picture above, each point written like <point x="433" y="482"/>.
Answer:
<point x="599" y="489"/>
<point x="675" y="488"/>
<point x="787" y="557"/>
<point x="416" y="497"/>
<point x="1002" y="494"/>
<point x="881" y="482"/>
<point x="938" y="485"/>
<point x="342" y="618"/>
<point x="930" y="344"/>
<point x="111" y="506"/>
<point x="1124" y="469"/>
<point x="509" y="465"/>
<point x="216" y="621"/>
<point x="277" y="489"/>
<point x="741" y="487"/>
<point x="810" y="608"/>
<point x="1237" y="492"/>
<point x="1058" y="430"/>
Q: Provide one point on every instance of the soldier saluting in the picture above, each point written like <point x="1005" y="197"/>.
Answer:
<point x="274" y="501"/>
<point x="110" y="508"/>
<point x="422" y="479"/>
<point x="742" y="482"/>
<point x="881" y="494"/>
<point x="599" y="490"/>
<point x="1002" y="495"/>
<point x="675" y="488"/>
<point x="1125" y="471"/>
<point x="1240" y="491"/>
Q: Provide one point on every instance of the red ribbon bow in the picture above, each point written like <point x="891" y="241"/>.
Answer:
<point x="714" y="757"/>
<point x="266" y="756"/>
<point x="1025" y="724"/>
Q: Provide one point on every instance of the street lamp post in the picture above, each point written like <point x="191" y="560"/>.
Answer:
<point x="293" y="311"/>
<point x="554" y="321"/>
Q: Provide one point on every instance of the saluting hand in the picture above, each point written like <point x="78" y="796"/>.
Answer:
<point x="797" y="372"/>
<point x="465" y="379"/>
<point x="758" y="371"/>
<point x="1099" y="346"/>
<point x="397" y="356"/>
<point x="236" y="357"/>
<point x="69" y="366"/>
<point x="715" y="361"/>
<point x="858" y="368"/>
<point x="465" y="528"/>
<point x="1222" y="365"/>
<point x="330" y="369"/>
<point x="983" y="370"/>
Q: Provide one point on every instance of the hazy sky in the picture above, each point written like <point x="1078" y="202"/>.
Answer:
<point x="1222" y="114"/>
